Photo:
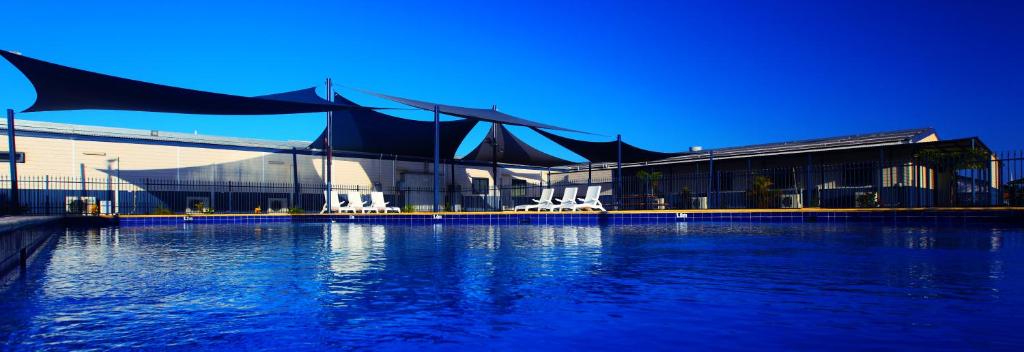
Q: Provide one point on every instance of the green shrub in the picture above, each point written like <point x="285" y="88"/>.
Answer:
<point x="161" y="211"/>
<point x="295" y="210"/>
<point x="408" y="208"/>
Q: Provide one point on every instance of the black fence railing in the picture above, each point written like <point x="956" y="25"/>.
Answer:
<point x="927" y="181"/>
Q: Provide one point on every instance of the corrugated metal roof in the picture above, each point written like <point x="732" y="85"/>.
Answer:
<point x="810" y="145"/>
<point x="146" y="135"/>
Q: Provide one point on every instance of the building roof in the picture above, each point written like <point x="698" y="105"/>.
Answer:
<point x="809" y="145"/>
<point x="51" y="128"/>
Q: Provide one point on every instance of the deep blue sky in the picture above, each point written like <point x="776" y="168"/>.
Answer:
<point x="666" y="75"/>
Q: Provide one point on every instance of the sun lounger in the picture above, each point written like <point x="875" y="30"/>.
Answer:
<point x="568" y="200"/>
<point x="543" y="202"/>
<point x="332" y="201"/>
<point x="377" y="204"/>
<point x="592" y="200"/>
<point x="355" y="203"/>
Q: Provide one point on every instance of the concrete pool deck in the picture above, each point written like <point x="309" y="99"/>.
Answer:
<point x="939" y="216"/>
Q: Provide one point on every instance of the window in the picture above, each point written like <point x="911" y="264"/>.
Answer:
<point x="481" y="185"/>
<point x="519" y="188"/>
<point x="6" y="157"/>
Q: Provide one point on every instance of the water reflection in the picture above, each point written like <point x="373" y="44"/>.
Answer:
<point x="373" y="286"/>
<point x="354" y="247"/>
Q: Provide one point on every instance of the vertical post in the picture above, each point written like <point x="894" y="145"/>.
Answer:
<point x="12" y="158"/>
<point x="450" y="195"/>
<point x="618" y="170"/>
<point x="974" y="182"/>
<point x="295" y="179"/>
<point x="881" y="170"/>
<point x="437" y="158"/>
<point x="494" y="164"/>
<point x="807" y="183"/>
<point x="117" y="194"/>
<point x="46" y="191"/>
<point x="711" y="175"/>
<point x="330" y="144"/>
<point x="590" y="173"/>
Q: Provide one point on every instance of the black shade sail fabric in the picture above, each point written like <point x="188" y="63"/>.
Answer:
<point x="368" y="131"/>
<point x="64" y="88"/>
<point x="489" y="115"/>
<point x="511" y="150"/>
<point x="604" y="152"/>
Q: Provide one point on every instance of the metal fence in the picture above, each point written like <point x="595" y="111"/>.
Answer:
<point x="924" y="182"/>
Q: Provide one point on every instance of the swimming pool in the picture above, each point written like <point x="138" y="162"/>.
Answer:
<point x="438" y="287"/>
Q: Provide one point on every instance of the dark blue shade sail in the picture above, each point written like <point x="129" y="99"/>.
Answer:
<point x="64" y="88"/>
<point x="368" y="131"/>
<point x="490" y="115"/>
<point x="605" y="152"/>
<point x="511" y="150"/>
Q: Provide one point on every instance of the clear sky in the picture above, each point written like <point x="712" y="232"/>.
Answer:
<point x="666" y="75"/>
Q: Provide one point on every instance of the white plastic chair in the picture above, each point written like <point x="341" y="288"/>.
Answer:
<point x="568" y="200"/>
<point x="543" y="201"/>
<point x="332" y="201"/>
<point x="592" y="200"/>
<point x="377" y="203"/>
<point x="355" y="203"/>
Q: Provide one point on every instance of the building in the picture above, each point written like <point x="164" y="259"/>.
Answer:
<point x="132" y="162"/>
<point x="907" y="168"/>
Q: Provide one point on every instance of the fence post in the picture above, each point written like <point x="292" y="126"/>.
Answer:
<point x="807" y="183"/>
<point x="231" y="196"/>
<point x="711" y="174"/>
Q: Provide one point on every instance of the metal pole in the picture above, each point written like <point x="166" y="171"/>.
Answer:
<point x="117" y="196"/>
<point x="618" y="170"/>
<point x="711" y="175"/>
<point x="974" y="183"/>
<point x="590" y="173"/>
<point x="330" y="145"/>
<point x="12" y="158"/>
<point x="437" y="158"/>
<point x="295" y="179"/>
<point x="494" y="163"/>
<point x="807" y="183"/>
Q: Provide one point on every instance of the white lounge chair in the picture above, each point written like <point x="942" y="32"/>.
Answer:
<point x="592" y="200"/>
<point x="543" y="202"/>
<point x="355" y="203"/>
<point x="377" y="203"/>
<point x="332" y="201"/>
<point x="568" y="200"/>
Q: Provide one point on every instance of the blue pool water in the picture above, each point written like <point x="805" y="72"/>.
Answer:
<point x="658" y="287"/>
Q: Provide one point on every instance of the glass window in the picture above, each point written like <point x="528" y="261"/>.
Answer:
<point x="519" y="188"/>
<point x="6" y="157"/>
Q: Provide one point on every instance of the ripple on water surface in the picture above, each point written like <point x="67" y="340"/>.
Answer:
<point x="669" y="287"/>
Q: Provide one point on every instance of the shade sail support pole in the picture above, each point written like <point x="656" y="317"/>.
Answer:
<point x="618" y="170"/>
<point x="437" y="158"/>
<point x="494" y="164"/>
<point x="330" y="144"/>
<point x="12" y="159"/>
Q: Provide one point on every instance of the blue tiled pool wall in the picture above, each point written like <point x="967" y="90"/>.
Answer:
<point x="895" y="217"/>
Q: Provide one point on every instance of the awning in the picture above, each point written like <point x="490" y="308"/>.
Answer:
<point x="603" y="152"/>
<point x="511" y="150"/>
<point x="490" y="115"/>
<point x="368" y="131"/>
<point x="65" y="88"/>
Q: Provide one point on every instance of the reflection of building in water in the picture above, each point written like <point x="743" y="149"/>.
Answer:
<point x="353" y="248"/>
